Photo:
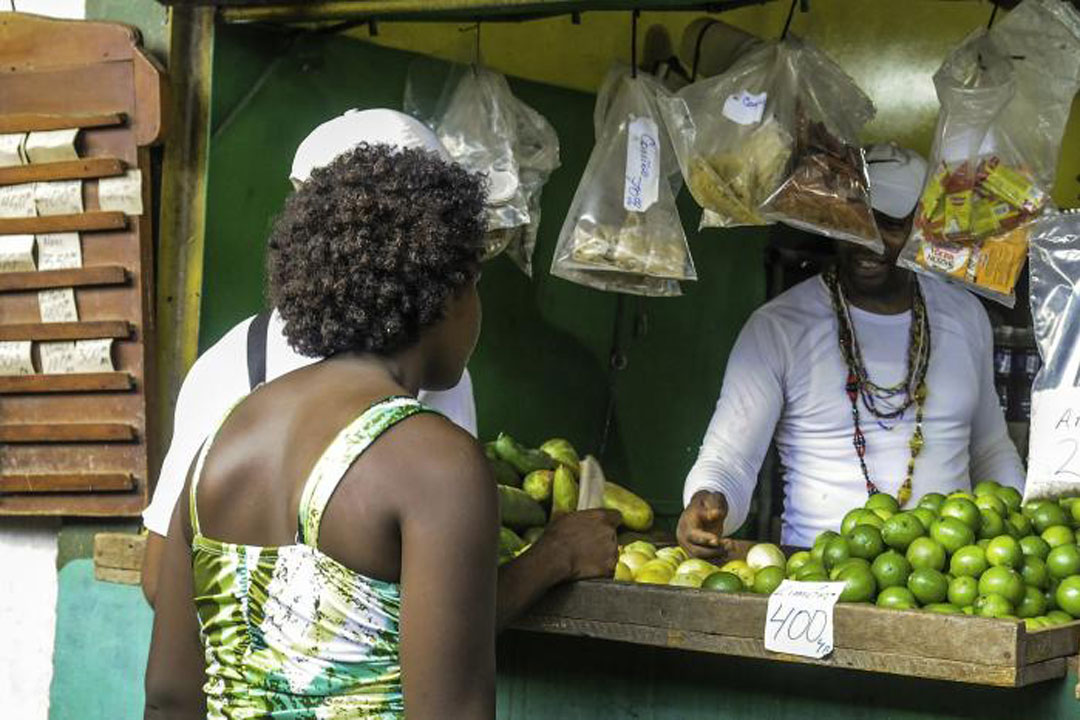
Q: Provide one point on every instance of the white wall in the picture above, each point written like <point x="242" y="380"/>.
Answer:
<point x="74" y="9"/>
<point x="28" y="581"/>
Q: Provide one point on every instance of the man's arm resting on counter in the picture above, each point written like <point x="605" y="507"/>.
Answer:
<point x="151" y="565"/>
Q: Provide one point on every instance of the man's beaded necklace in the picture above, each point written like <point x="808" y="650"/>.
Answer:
<point x="884" y="403"/>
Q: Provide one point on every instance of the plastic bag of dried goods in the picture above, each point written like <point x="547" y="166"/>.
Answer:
<point x="731" y="135"/>
<point x="1054" y="454"/>
<point x="826" y="186"/>
<point x="487" y="129"/>
<point x="623" y="218"/>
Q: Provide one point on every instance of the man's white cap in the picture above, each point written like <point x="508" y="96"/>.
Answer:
<point x="375" y="127"/>
<point x="896" y="179"/>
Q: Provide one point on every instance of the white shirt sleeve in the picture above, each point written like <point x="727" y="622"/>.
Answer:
<point x="993" y="455"/>
<point x="457" y="403"/>
<point x="742" y="425"/>
<point x="216" y="382"/>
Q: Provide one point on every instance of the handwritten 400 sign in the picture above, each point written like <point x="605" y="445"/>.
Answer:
<point x="1054" y="459"/>
<point x="799" y="618"/>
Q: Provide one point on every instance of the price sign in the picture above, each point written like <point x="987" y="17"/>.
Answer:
<point x="1054" y="458"/>
<point x="642" y="182"/>
<point x="799" y="619"/>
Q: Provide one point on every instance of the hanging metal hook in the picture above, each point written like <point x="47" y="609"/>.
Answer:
<point x="790" y="17"/>
<point x="633" y="42"/>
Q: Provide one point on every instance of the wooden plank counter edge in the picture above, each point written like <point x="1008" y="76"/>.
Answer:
<point x="849" y="659"/>
<point x="858" y="627"/>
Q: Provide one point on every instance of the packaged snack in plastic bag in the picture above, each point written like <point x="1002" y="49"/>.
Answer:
<point x="826" y="186"/>
<point x="1005" y="96"/>
<point x="487" y="129"/>
<point x="730" y="134"/>
<point x="623" y="218"/>
<point x="1054" y="454"/>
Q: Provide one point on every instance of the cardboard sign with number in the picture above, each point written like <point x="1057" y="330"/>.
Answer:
<point x="799" y="619"/>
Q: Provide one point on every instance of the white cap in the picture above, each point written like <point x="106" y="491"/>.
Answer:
<point x="375" y="127"/>
<point x="896" y="178"/>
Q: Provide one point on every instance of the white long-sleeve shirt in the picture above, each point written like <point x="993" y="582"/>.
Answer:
<point x="785" y="378"/>
<point x="219" y="379"/>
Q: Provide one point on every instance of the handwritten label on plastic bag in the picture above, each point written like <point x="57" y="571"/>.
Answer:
<point x="745" y="108"/>
<point x="642" y="186"/>
<point x="1054" y="460"/>
<point x="799" y="619"/>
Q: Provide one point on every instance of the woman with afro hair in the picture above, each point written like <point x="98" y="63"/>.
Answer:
<point x="339" y="538"/>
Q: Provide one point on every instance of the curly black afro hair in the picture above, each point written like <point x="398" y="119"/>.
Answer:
<point x="365" y="255"/>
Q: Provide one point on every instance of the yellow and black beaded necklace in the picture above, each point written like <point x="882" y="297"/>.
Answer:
<point x="884" y="403"/>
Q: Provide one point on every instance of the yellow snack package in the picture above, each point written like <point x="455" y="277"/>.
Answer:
<point x="997" y="262"/>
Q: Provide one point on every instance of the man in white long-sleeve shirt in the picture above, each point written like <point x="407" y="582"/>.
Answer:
<point x="847" y="423"/>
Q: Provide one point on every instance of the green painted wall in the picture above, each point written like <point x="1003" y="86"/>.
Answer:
<point x="542" y="367"/>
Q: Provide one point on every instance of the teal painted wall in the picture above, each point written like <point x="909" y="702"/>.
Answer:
<point x="542" y="366"/>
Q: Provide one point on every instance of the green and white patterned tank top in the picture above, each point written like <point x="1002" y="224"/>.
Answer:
<point x="289" y="633"/>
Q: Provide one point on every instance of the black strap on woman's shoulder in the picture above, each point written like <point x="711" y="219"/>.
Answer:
<point x="256" y="349"/>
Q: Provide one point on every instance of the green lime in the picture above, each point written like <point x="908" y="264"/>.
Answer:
<point x="963" y="591"/>
<point x="1047" y="515"/>
<point x="1074" y="510"/>
<point x="1004" y="550"/>
<point x="1020" y="523"/>
<point x="968" y="609"/>
<point x="1033" y="604"/>
<point x="812" y="571"/>
<point x="993" y="606"/>
<point x="865" y="542"/>
<point x="897" y="598"/>
<point x="942" y="608"/>
<point x="836" y="552"/>
<point x="991" y="524"/>
<point x="1059" y="617"/>
<point x="926" y="552"/>
<point x="1028" y="509"/>
<point x="1035" y="623"/>
<point x="796" y="561"/>
<point x="928" y="585"/>
<point x="768" y="579"/>
<point x="992" y="502"/>
<point x="853" y="518"/>
<point x="952" y="534"/>
<point x="1035" y="545"/>
<point x="818" y="549"/>
<point x="1056" y="535"/>
<point x="1011" y="497"/>
<point x="960" y="494"/>
<point x="926" y="516"/>
<point x="1063" y="561"/>
<point x="848" y="564"/>
<point x="932" y="501"/>
<point x="1004" y="581"/>
<point x="968" y="561"/>
<point x="1033" y="571"/>
<point x="721" y="581"/>
<point x="901" y="529"/>
<point x="1068" y="596"/>
<point x="964" y="510"/>
<point x="890" y="569"/>
<point x="882" y="501"/>
<point x="987" y="487"/>
<point x="859" y="584"/>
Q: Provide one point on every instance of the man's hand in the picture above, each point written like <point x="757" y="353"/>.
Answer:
<point x="701" y="525"/>
<point x="587" y="542"/>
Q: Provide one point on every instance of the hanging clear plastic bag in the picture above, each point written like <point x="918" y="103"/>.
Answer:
<point x="623" y="221"/>
<point x="826" y="186"/>
<point x="730" y="135"/>
<point x="537" y="152"/>
<point x="1005" y="97"/>
<point x="487" y="129"/>
<point x="1054" y="455"/>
